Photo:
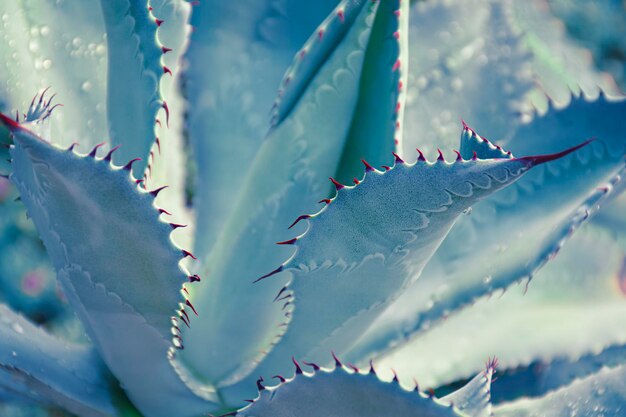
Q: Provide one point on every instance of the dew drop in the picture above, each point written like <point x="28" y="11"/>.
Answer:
<point x="18" y="328"/>
<point x="86" y="86"/>
<point x="47" y="64"/>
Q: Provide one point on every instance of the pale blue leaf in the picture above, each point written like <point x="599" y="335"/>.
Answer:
<point x="236" y="58"/>
<point x="135" y="69"/>
<point x="116" y="263"/>
<point x="600" y="395"/>
<point x="569" y="317"/>
<point x="364" y="248"/>
<point x="340" y="393"/>
<point x="478" y="257"/>
<point x="288" y="177"/>
<point x="37" y="366"/>
<point x="45" y="42"/>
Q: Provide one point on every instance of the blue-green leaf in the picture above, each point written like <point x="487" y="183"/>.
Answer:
<point x="35" y="365"/>
<point x="135" y="69"/>
<point x="573" y="308"/>
<point x="116" y="264"/>
<point x="341" y="393"/>
<point x="602" y="394"/>
<point x="288" y="177"/>
<point x="236" y="58"/>
<point x="569" y="190"/>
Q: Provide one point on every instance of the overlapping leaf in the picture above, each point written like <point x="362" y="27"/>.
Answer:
<point x="115" y="262"/>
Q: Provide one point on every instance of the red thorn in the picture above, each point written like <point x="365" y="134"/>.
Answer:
<point x="368" y="167"/>
<point x="110" y="153"/>
<point x="353" y="367"/>
<point x="276" y="271"/>
<point x="338" y="185"/>
<point x="166" y="49"/>
<point x="440" y="157"/>
<point x="396" y="65"/>
<point x="298" y="368"/>
<point x="342" y="16"/>
<point x="421" y="155"/>
<point x="130" y="163"/>
<point x="288" y="242"/>
<point x="166" y="70"/>
<point x="259" y="384"/>
<point x="158" y="144"/>
<point x="338" y="363"/>
<point x="398" y="159"/>
<point x="191" y="307"/>
<point x="163" y="211"/>
<point x="475" y="156"/>
<point x="355" y="181"/>
<point x="184" y="320"/>
<point x="159" y="22"/>
<point x="372" y="370"/>
<point x="95" y="150"/>
<point x="302" y="217"/>
<point x="194" y="278"/>
<point x="312" y="365"/>
<point x="431" y="392"/>
<point x="167" y="113"/>
<point x="176" y="225"/>
<point x="72" y="146"/>
<point x="458" y="155"/>
<point x="138" y="182"/>
<point x="325" y="200"/>
<point x="465" y="126"/>
<point x="387" y="167"/>
<point x="158" y="190"/>
<point x="182" y="310"/>
<point x="158" y="122"/>
<point x="395" y="376"/>
<point x="541" y="159"/>
<point x="186" y="253"/>
<point x="280" y="378"/>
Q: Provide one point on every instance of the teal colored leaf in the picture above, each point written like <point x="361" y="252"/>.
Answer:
<point x="37" y="366"/>
<point x="602" y="394"/>
<point x="236" y="58"/>
<point x="43" y="42"/>
<point x="116" y="264"/>
<point x="508" y="237"/>
<point x="288" y="177"/>
<point x="466" y="62"/>
<point x="135" y="69"/>
<point x="341" y="393"/>
<point x="371" y="242"/>
<point x="570" y="318"/>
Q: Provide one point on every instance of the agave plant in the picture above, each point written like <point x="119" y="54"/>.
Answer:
<point x="388" y="283"/>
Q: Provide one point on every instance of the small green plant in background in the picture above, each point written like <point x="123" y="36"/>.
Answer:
<point x="204" y="263"/>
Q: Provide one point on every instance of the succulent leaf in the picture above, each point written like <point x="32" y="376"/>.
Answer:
<point x="301" y="152"/>
<point x="35" y="365"/>
<point x="341" y="393"/>
<point x="371" y="242"/>
<point x="135" y="69"/>
<point x="115" y="262"/>
<point x="42" y="43"/>
<point x="236" y="58"/>
<point x="601" y="394"/>
<point x="570" y="190"/>
<point x="570" y="319"/>
<point x="474" y="399"/>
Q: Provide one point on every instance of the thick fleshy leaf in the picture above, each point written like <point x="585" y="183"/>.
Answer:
<point x="370" y="243"/>
<point x="236" y="58"/>
<point x="135" y="69"/>
<point x="573" y="309"/>
<point x="602" y="394"/>
<point x="43" y="42"/>
<point x="466" y="62"/>
<point x="168" y="157"/>
<point x="37" y="366"/>
<point x="288" y="177"/>
<point x="538" y="214"/>
<point x="115" y="262"/>
<point x="340" y="393"/>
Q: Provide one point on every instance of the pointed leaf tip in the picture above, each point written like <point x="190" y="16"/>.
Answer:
<point x="542" y="159"/>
